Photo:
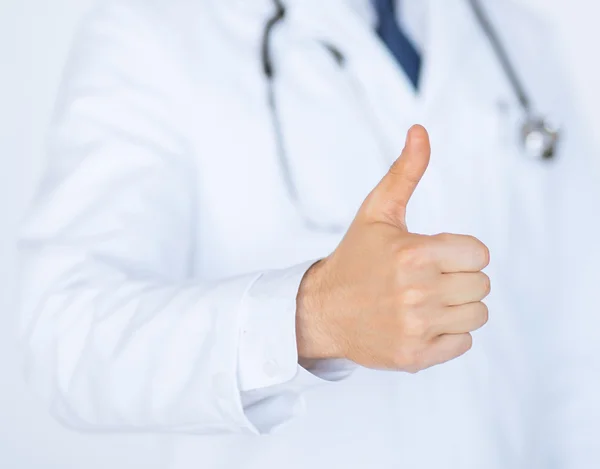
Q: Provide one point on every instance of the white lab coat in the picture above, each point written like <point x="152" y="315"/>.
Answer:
<point x="163" y="253"/>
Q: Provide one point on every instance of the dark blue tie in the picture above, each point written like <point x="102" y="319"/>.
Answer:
<point x="396" y="41"/>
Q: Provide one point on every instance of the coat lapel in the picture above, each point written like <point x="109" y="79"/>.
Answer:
<point x="383" y="91"/>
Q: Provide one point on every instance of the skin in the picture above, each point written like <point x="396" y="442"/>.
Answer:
<point x="390" y="299"/>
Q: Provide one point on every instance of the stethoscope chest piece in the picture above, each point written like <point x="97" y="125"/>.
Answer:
<point x="539" y="139"/>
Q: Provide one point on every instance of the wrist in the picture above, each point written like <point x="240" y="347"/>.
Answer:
<point x="315" y="335"/>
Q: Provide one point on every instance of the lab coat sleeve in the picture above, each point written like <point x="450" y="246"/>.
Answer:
<point x="268" y="341"/>
<point x="118" y="335"/>
<point x="267" y="351"/>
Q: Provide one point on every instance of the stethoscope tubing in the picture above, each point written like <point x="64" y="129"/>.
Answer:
<point x="532" y="124"/>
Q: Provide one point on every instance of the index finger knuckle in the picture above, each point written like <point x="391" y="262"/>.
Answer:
<point x="413" y="256"/>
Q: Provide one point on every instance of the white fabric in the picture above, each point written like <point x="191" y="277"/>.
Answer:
<point x="412" y="17"/>
<point x="163" y="254"/>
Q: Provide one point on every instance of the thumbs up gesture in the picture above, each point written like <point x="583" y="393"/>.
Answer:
<point x="390" y="299"/>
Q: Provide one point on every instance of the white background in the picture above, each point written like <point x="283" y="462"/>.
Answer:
<point x="34" y="40"/>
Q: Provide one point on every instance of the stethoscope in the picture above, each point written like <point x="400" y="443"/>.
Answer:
<point x="538" y="138"/>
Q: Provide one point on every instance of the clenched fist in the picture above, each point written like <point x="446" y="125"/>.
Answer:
<point x="390" y="299"/>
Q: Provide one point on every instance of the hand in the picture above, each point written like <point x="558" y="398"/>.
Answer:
<point x="390" y="299"/>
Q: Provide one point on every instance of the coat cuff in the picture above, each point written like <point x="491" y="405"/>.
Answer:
<point x="270" y="379"/>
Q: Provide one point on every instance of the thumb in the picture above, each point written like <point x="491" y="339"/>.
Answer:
<point x="392" y="194"/>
